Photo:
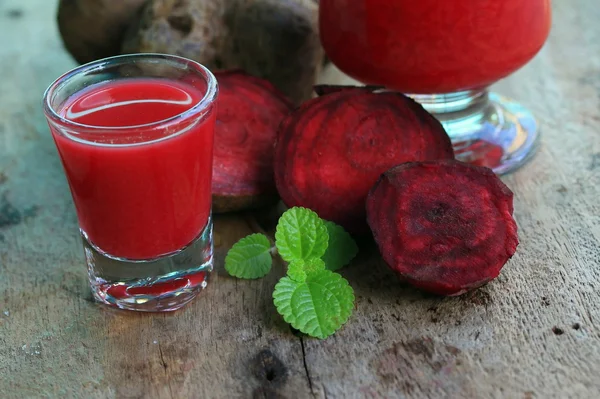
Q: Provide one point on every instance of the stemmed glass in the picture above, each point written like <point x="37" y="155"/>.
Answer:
<point x="446" y="54"/>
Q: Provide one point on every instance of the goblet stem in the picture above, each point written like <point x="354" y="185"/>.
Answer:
<point x="486" y="129"/>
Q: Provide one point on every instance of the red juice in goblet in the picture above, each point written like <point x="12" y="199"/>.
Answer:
<point x="445" y="54"/>
<point x="433" y="46"/>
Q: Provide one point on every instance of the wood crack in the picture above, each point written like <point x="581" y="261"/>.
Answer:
<point x="162" y="359"/>
<point x="306" y="371"/>
<point x="165" y="366"/>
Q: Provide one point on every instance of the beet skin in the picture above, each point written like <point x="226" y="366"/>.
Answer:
<point x="332" y="149"/>
<point x="446" y="226"/>
<point x="249" y="110"/>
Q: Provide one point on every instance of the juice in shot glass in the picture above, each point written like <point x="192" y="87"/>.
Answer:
<point x="135" y="136"/>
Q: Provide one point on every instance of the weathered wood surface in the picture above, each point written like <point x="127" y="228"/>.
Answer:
<point x="532" y="333"/>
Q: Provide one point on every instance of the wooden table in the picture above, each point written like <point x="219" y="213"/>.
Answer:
<point x="532" y="333"/>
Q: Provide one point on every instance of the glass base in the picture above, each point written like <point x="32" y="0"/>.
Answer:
<point x="163" y="284"/>
<point x="486" y="129"/>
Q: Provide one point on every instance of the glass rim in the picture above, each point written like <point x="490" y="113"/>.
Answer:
<point x="207" y="99"/>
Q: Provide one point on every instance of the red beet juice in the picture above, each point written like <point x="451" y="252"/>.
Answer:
<point x="138" y="200"/>
<point x="432" y="46"/>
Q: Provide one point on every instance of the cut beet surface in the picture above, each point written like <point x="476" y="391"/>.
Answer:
<point x="249" y="110"/>
<point x="445" y="226"/>
<point x="332" y="149"/>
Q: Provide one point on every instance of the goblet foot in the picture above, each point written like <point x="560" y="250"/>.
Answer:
<point x="486" y="129"/>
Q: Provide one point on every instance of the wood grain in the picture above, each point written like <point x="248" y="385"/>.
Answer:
<point x="532" y="333"/>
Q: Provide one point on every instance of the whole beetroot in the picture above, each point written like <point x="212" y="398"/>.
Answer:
<point x="333" y="148"/>
<point x="93" y="29"/>
<point x="249" y="110"/>
<point x="277" y="40"/>
<point x="444" y="226"/>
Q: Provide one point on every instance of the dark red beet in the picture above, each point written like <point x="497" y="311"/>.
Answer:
<point x="445" y="226"/>
<point x="332" y="149"/>
<point x="249" y="110"/>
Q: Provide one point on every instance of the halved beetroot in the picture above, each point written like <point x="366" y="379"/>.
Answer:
<point x="332" y="149"/>
<point x="444" y="226"/>
<point x="249" y="110"/>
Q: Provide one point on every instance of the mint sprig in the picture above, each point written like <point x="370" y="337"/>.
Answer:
<point x="319" y="306"/>
<point x="312" y="298"/>
<point x="301" y="235"/>
<point x="341" y="248"/>
<point x="249" y="258"/>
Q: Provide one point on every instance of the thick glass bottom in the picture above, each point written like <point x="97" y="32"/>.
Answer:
<point x="486" y="129"/>
<point x="163" y="284"/>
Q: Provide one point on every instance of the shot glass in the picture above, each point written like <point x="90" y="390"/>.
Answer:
<point x="135" y="137"/>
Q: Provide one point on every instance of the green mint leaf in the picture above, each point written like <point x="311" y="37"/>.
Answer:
<point x="314" y="265"/>
<point x="249" y="258"/>
<point x="318" y="306"/>
<point x="300" y="235"/>
<point x="341" y="249"/>
<point x="298" y="270"/>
